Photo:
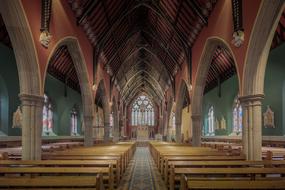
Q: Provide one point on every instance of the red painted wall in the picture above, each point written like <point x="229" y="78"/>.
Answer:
<point x="62" y="24"/>
<point x="221" y="25"/>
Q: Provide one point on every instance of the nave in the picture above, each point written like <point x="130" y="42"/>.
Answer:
<point x="87" y="85"/>
<point x="149" y="165"/>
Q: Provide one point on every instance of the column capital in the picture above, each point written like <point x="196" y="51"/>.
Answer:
<point x="251" y="98"/>
<point x="31" y="99"/>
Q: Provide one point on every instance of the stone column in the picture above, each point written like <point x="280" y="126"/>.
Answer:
<point x="106" y="131"/>
<point x="196" y="130"/>
<point x="88" y="132"/>
<point x="178" y="132"/>
<point x="116" y="129"/>
<point x="160" y="128"/>
<point x="32" y="115"/>
<point x="252" y="126"/>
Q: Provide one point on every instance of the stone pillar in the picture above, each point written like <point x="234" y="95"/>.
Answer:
<point x="88" y="132"/>
<point x="252" y="126"/>
<point x="160" y="128"/>
<point x="178" y="132"/>
<point x="116" y="129"/>
<point x="196" y="130"/>
<point x="106" y="131"/>
<point x="32" y="109"/>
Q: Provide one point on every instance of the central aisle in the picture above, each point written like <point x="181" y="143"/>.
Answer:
<point x="142" y="173"/>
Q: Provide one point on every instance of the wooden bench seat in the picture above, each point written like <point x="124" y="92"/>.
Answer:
<point x="232" y="184"/>
<point x="229" y="174"/>
<point x="224" y="178"/>
<point x="66" y="163"/>
<point x="164" y="166"/>
<point x="47" y="182"/>
<point x="10" y="173"/>
<point x="171" y="176"/>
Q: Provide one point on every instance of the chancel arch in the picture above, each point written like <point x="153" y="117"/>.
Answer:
<point x="143" y="117"/>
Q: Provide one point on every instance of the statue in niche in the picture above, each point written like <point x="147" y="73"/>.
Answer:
<point x="17" y="118"/>
<point x="268" y="118"/>
<point x="217" y="124"/>
<point x="223" y="123"/>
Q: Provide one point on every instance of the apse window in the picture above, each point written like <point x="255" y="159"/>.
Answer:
<point x="142" y="112"/>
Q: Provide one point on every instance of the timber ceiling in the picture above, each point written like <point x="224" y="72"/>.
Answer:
<point x="4" y="37"/>
<point x="144" y="41"/>
<point x="222" y="68"/>
<point x="61" y="67"/>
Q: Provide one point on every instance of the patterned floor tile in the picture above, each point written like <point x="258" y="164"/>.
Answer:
<point x="142" y="173"/>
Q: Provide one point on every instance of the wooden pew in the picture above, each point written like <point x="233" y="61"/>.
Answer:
<point x="43" y="177"/>
<point x="173" y="159"/>
<point x="66" y="163"/>
<point x="187" y="167"/>
<point x="62" y="182"/>
<point x="122" y="153"/>
<point x="232" y="178"/>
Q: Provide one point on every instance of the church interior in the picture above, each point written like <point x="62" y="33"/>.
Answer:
<point x="142" y="94"/>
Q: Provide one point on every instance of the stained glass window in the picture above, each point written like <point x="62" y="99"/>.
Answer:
<point x="73" y="121"/>
<point x="142" y="112"/>
<point x="47" y="116"/>
<point x="237" y="117"/>
<point x="211" y="129"/>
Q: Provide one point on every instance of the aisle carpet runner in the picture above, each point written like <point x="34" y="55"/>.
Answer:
<point x="142" y="173"/>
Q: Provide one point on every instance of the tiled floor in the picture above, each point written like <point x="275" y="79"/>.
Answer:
<point x="142" y="173"/>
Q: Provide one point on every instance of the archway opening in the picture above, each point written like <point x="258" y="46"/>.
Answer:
<point x="62" y="111"/>
<point x="222" y="113"/>
<point x="9" y="85"/>
<point x="142" y="118"/>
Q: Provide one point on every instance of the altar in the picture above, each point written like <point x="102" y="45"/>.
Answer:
<point x="142" y="133"/>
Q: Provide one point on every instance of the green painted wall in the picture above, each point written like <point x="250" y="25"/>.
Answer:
<point x="62" y="106"/>
<point x="9" y="89"/>
<point x="9" y="100"/>
<point x="274" y="90"/>
<point x="222" y="105"/>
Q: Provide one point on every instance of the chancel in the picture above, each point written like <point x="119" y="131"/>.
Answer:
<point x="142" y="94"/>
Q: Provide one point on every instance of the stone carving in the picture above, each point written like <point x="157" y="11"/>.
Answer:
<point x="45" y="38"/>
<point x="17" y="118"/>
<point x="268" y="118"/>
<point x="238" y="38"/>
<point x="223" y="123"/>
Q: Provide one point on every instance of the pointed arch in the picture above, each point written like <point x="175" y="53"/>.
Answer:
<point x="23" y="46"/>
<point x="78" y="60"/>
<point x="201" y="76"/>
<point x="258" y="50"/>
